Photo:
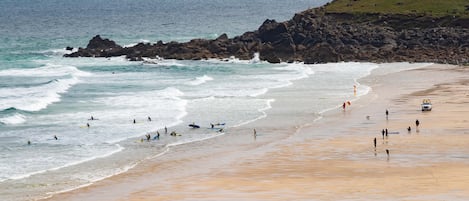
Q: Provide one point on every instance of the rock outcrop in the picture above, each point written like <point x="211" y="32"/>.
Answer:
<point x="315" y="36"/>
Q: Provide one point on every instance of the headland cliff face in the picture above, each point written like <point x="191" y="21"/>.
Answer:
<point x="315" y="36"/>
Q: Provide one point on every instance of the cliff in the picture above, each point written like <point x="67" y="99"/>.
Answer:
<point x="319" y="35"/>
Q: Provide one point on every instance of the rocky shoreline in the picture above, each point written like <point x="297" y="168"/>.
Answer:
<point x="315" y="36"/>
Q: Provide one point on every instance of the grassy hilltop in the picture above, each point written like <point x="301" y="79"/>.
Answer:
<point x="433" y="8"/>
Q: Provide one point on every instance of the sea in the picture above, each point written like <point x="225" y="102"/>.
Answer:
<point x="68" y="122"/>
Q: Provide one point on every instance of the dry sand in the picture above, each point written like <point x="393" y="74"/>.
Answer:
<point x="330" y="159"/>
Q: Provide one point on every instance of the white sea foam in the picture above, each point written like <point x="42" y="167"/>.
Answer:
<point x="140" y="41"/>
<point x="261" y="110"/>
<point x="48" y="70"/>
<point x="56" y="52"/>
<point x="83" y="62"/>
<point x="255" y="58"/>
<point x="200" y="80"/>
<point x="13" y="119"/>
<point x="35" y="98"/>
<point x="26" y="175"/>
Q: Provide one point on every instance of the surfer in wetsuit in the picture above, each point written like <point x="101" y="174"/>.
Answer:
<point x="55" y="137"/>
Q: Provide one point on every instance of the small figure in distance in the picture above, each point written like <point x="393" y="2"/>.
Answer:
<point x="409" y="129"/>
<point x="387" y="113"/>
<point x="165" y="130"/>
<point x="417" y="123"/>
<point x="148" y="137"/>
<point x="374" y="141"/>
<point x="55" y="137"/>
<point x="29" y="142"/>
<point x="87" y="125"/>
<point x="134" y="121"/>
<point x="149" y="118"/>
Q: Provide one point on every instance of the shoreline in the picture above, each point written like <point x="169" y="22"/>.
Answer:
<point x="250" y="170"/>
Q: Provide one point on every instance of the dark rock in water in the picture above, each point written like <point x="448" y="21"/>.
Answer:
<point x="315" y="36"/>
<point x="98" y="43"/>
<point x="69" y="48"/>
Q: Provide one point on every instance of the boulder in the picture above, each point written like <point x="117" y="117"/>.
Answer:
<point x="98" y="43"/>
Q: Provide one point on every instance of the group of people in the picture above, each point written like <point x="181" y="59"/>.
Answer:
<point x="385" y="132"/>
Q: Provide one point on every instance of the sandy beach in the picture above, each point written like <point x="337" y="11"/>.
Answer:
<point x="328" y="158"/>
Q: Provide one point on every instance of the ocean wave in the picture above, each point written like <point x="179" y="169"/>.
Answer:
<point x="118" y="148"/>
<point x="55" y="52"/>
<point x="49" y="70"/>
<point x="200" y="80"/>
<point x="159" y="62"/>
<point x="140" y="41"/>
<point x="35" y="98"/>
<point x="261" y="110"/>
<point x="13" y="119"/>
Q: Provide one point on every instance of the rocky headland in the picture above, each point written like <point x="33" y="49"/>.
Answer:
<point x="318" y="36"/>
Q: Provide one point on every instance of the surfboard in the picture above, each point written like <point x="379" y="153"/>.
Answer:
<point x="194" y="126"/>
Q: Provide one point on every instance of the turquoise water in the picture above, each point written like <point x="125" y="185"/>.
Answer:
<point x="43" y="95"/>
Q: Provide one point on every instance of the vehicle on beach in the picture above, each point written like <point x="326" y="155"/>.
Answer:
<point x="426" y="105"/>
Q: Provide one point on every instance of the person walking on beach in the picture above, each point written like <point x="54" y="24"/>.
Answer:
<point x="387" y="153"/>
<point x="387" y="113"/>
<point x="134" y="121"/>
<point x="374" y="141"/>
<point x="87" y="125"/>
<point x="386" y="131"/>
<point x="255" y="134"/>
<point x="382" y="133"/>
<point x="409" y="129"/>
<point x="165" y="130"/>
<point x="343" y="106"/>
<point x="417" y="123"/>
<point x="149" y="118"/>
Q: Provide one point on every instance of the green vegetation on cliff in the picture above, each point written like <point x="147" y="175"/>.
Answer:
<point x="433" y="8"/>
